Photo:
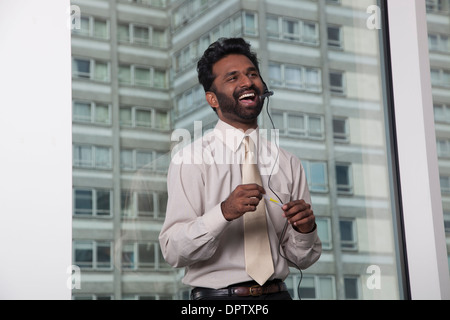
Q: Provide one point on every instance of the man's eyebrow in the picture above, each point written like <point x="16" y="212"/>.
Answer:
<point x="232" y="73"/>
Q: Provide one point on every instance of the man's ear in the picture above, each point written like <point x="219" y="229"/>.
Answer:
<point x="212" y="99"/>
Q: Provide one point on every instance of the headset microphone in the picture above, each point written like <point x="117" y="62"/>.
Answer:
<point x="267" y="94"/>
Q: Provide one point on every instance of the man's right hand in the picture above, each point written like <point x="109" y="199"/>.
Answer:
<point x="244" y="198"/>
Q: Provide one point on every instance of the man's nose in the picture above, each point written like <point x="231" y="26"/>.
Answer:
<point x="246" y="81"/>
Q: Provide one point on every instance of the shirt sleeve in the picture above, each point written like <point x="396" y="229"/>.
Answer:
<point x="301" y="249"/>
<point x="190" y="233"/>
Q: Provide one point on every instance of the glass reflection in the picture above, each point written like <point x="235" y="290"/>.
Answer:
<point x="134" y="82"/>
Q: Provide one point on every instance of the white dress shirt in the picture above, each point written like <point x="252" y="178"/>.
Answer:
<point x="195" y="234"/>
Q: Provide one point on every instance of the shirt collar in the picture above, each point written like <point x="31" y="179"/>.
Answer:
<point x="232" y="137"/>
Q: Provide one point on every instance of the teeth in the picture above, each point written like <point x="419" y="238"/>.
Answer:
<point x="247" y="95"/>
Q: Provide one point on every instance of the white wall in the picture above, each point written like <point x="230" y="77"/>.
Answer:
<point x="35" y="140"/>
<point x="419" y="175"/>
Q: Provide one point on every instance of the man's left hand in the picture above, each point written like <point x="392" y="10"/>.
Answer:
<point x="300" y="215"/>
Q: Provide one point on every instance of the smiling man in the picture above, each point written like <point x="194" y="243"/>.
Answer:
<point x="232" y="243"/>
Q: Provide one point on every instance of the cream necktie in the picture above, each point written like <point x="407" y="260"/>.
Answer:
<point x="258" y="257"/>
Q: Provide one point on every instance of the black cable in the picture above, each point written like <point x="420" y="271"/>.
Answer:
<point x="283" y="233"/>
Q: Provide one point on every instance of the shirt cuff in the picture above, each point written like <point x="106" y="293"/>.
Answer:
<point x="214" y="221"/>
<point x="304" y="239"/>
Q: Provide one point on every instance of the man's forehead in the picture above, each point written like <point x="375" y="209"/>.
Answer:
<point x="233" y="63"/>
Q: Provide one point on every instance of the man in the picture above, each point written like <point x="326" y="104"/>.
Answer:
<point x="206" y="230"/>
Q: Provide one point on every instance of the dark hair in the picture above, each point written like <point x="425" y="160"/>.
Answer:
<point x="218" y="50"/>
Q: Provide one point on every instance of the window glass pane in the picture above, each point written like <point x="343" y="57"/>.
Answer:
<point x="291" y="30"/>
<point x="439" y="45"/>
<point x="145" y="204"/>
<point x="82" y="111"/>
<point x="143" y="118"/>
<point x="146" y="254"/>
<point x="293" y="77"/>
<point x="101" y="113"/>
<point x="142" y="77"/>
<point x="83" y="202"/>
<point x="102" y="157"/>
<point x="351" y="288"/>
<point x="100" y="29"/>
<point x="143" y="159"/>
<point x="135" y="89"/>
<point x="103" y="255"/>
<point x="83" y="254"/>
<point x="161" y="120"/>
<point x="123" y="33"/>
<point x="81" y="68"/>
<point x="250" y="27"/>
<point x="124" y="74"/>
<point x="82" y="156"/>
<point x="159" y="79"/>
<point x="141" y="35"/>
<point x="326" y="288"/>
<point x="272" y="27"/>
<point x="126" y="159"/>
<point x="103" y="202"/>
<point x="101" y="71"/>
<point x="125" y="117"/>
<point x="323" y="231"/>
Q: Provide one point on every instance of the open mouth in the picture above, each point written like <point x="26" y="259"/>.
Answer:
<point x="248" y="99"/>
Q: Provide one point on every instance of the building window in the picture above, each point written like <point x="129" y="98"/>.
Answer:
<point x="334" y="37"/>
<point x="445" y="184"/>
<point x="344" y="179"/>
<point x="299" y="125"/>
<point x="443" y="148"/>
<point x="154" y="3"/>
<point x="142" y="35"/>
<point x="140" y="117"/>
<point x="142" y="76"/>
<point x="440" y="77"/>
<point x="132" y="160"/>
<point x="295" y="77"/>
<point x="351" y="289"/>
<point x="250" y="24"/>
<point x="438" y="6"/>
<point x="142" y="255"/>
<point x="439" y="42"/>
<point x="92" y="254"/>
<point x="348" y="234"/>
<point x="92" y="202"/>
<point x="190" y="100"/>
<point x="441" y="113"/>
<point x="290" y="29"/>
<point x="316" y="174"/>
<point x="317" y="287"/>
<point x="337" y="84"/>
<point x="324" y="232"/>
<point x="94" y="157"/>
<point x="151" y="204"/>
<point x="93" y="27"/>
<point x="90" y="69"/>
<point x="340" y="130"/>
<point x="91" y="112"/>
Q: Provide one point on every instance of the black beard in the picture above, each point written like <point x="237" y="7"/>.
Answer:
<point x="231" y="105"/>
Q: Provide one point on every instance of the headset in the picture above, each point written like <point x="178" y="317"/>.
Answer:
<point x="267" y="94"/>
